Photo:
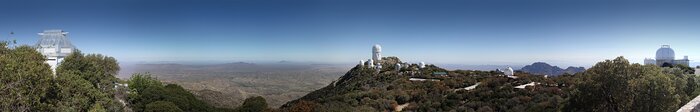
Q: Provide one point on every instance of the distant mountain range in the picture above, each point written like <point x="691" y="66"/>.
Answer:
<point x="541" y="68"/>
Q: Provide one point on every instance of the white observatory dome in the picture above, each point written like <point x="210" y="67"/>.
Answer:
<point x="509" y="71"/>
<point x="376" y="48"/>
<point x="665" y="53"/>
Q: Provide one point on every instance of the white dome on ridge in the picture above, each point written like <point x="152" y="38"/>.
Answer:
<point x="665" y="53"/>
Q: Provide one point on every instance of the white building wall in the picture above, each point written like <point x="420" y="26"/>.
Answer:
<point x="649" y="61"/>
<point x="66" y="50"/>
<point x="53" y="62"/>
<point x="48" y="50"/>
<point x="682" y="62"/>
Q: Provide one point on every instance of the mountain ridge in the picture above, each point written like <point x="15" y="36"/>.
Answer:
<point x="542" y="68"/>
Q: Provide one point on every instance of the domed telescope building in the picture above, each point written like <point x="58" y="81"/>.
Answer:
<point x="666" y="56"/>
<point x="376" y="53"/>
<point x="55" y="46"/>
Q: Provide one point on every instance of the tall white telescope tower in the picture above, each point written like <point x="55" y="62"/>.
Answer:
<point x="376" y="53"/>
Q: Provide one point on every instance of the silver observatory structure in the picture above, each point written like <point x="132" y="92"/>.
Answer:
<point x="666" y="55"/>
<point x="508" y="71"/>
<point x="376" y="53"/>
<point x="374" y="62"/>
<point x="55" y="46"/>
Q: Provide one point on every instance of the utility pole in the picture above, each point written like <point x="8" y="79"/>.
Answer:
<point x="13" y="41"/>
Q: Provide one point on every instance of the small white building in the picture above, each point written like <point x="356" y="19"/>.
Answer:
<point x="508" y="71"/>
<point x="398" y="67"/>
<point x="649" y="61"/>
<point x="54" y="44"/>
<point x="421" y="64"/>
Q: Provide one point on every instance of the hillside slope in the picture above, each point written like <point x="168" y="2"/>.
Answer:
<point x="227" y="85"/>
<point x="367" y="89"/>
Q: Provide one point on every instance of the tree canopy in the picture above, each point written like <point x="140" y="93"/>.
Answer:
<point x="25" y="80"/>
<point x="82" y="82"/>
<point x="162" y="106"/>
<point x="253" y="104"/>
<point x="618" y="86"/>
<point x="146" y="89"/>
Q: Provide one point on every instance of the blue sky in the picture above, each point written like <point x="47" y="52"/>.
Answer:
<point x="472" y="32"/>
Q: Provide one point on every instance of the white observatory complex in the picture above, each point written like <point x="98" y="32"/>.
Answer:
<point x="376" y="57"/>
<point x="666" y="55"/>
<point x="54" y="45"/>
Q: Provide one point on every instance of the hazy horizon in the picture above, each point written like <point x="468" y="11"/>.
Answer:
<point x="561" y="33"/>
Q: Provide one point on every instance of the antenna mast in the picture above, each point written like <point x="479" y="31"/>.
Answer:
<point x="11" y="38"/>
